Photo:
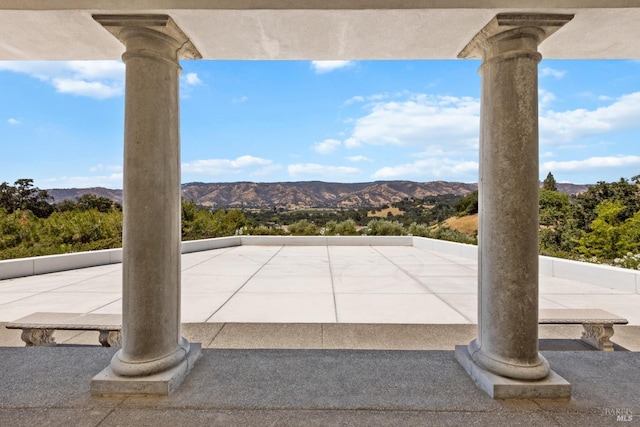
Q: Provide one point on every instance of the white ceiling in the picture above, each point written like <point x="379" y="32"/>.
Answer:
<point x="314" y="29"/>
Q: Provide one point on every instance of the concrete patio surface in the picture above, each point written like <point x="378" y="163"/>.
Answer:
<point x="306" y="284"/>
<point x="314" y="335"/>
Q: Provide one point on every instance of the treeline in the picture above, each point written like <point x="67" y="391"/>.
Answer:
<point x="600" y="225"/>
<point x="429" y="210"/>
<point x="31" y="226"/>
<point x="349" y="227"/>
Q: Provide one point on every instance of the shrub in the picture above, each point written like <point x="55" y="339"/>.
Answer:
<point x="303" y="228"/>
<point x="383" y="227"/>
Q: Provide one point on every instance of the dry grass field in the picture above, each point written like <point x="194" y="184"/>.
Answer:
<point x="384" y="212"/>
<point x="466" y="224"/>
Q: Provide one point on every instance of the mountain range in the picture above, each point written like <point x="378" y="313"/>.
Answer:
<point x="301" y="195"/>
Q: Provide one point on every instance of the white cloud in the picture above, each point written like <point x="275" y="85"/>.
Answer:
<point x="352" y="143"/>
<point x="432" y="168"/>
<point x="96" y="89"/>
<point x="548" y="71"/>
<point x="591" y="163"/>
<point x="317" y="171"/>
<point x="188" y="82"/>
<point x="94" y="79"/>
<point x="192" y="79"/>
<point x="226" y="166"/>
<point x="377" y="97"/>
<point x="109" y="168"/>
<point x="13" y="121"/>
<point x="567" y="126"/>
<point x="422" y="120"/>
<point x="266" y="170"/>
<point x="240" y="100"/>
<point x="327" y="146"/>
<point x="545" y="98"/>
<point x="354" y="100"/>
<point x="357" y="159"/>
<point x="321" y="67"/>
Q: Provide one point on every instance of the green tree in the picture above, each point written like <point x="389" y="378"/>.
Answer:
<point x="554" y="207"/>
<point x="330" y="228"/>
<point x="8" y="197"/>
<point x="383" y="227"/>
<point x="622" y="191"/>
<point x="630" y="235"/>
<point x="604" y="238"/>
<point x="303" y="228"/>
<point x="91" y="201"/>
<point x="344" y="228"/>
<point x="468" y="205"/>
<point x="549" y="183"/>
<point x="24" y="196"/>
<point x="420" y="230"/>
<point x="200" y="223"/>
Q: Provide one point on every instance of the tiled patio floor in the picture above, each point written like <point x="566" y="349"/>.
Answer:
<point x="306" y="284"/>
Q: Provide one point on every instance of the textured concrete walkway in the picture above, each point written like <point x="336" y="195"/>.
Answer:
<point x="50" y="387"/>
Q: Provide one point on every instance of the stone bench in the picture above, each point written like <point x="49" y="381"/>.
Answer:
<point x="38" y="328"/>
<point x="598" y="324"/>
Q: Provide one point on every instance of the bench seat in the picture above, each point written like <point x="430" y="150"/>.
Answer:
<point x="598" y="324"/>
<point x="38" y="328"/>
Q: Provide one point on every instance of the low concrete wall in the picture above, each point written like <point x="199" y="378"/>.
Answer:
<point x="209" y="244"/>
<point x="327" y="240"/>
<point x="452" y="248"/>
<point x="601" y="275"/>
<point x="622" y="279"/>
<point x="53" y="263"/>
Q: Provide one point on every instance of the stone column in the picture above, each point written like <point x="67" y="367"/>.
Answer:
<point x="151" y="341"/>
<point x="507" y="343"/>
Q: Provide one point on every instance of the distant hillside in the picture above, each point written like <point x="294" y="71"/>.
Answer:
<point x="292" y="195"/>
<point x="301" y="195"/>
<point x="316" y="194"/>
<point x="61" y="194"/>
<point x="572" y="189"/>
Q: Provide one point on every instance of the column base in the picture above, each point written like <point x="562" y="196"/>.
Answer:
<point x="551" y="387"/>
<point x="534" y="370"/>
<point x="108" y="383"/>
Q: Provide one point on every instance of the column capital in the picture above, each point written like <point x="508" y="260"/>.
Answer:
<point x="513" y="26"/>
<point x="122" y="25"/>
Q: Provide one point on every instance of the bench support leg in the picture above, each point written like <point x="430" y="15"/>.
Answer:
<point x="598" y="336"/>
<point x="38" y="337"/>
<point x="110" y="338"/>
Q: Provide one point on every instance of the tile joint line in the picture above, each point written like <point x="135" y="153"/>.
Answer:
<point x="243" y="285"/>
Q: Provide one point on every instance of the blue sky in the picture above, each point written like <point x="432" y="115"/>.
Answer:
<point x="61" y="123"/>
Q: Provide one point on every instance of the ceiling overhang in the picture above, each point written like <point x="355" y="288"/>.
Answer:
<point x="314" y="29"/>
